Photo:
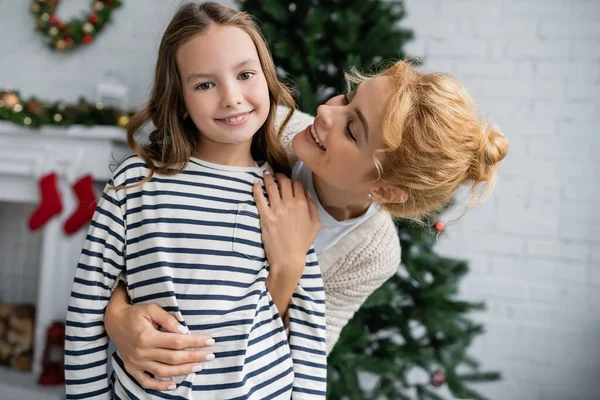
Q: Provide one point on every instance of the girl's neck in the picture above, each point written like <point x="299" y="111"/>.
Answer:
<point x="340" y="204"/>
<point x="235" y="155"/>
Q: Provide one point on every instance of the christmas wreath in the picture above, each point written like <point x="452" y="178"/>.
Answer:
<point x="66" y="35"/>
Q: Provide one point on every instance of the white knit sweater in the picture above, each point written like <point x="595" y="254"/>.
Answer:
<point x="359" y="263"/>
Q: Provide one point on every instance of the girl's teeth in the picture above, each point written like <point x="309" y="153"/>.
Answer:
<point x="235" y="119"/>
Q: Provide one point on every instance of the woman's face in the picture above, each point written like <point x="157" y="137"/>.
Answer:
<point x="340" y="145"/>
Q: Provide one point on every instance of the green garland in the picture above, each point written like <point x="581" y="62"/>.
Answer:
<point x="64" y="36"/>
<point x="33" y="113"/>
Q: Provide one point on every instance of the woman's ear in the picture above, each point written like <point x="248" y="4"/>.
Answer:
<point x="385" y="193"/>
<point x="185" y="115"/>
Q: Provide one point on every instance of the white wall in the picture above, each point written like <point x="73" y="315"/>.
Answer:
<point x="534" y="249"/>
<point x="127" y="47"/>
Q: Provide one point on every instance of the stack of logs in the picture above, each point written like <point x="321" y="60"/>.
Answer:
<point x="16" y="335"/>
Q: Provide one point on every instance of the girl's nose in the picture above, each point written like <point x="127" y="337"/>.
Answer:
<point x="231" y="96"/>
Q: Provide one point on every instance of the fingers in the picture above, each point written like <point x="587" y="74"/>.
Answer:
<point x="298" y="190"/>
<point x="147" y="382"/>
<point x="166" y="340"/>
<point x="180" y="357"/>
<point x="259" y="198"/>
<point x="166" y="363"/>
<point x="166" y="320"/>
<point x="285" y="187"/>
<point x="272" y="191"/>
<point x="158" y="369"/>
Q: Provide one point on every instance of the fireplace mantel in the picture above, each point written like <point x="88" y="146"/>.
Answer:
<point x="25" y="156"/>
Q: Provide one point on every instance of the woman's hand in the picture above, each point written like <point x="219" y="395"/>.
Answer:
<point x="143" y="348"/>
<point x="289" y="224"/>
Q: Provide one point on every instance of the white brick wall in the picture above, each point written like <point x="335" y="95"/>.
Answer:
<point x="534" y="249"/>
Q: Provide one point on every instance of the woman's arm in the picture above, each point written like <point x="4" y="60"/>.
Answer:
<point x="143" y="348"/>
<point x="289" y="224"/>
<point x="357" y="266"/>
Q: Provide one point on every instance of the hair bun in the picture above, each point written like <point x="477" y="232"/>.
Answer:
<point x="492" y="151"/>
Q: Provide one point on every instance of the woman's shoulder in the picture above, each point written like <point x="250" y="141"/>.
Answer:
<point x="297" y="123"/>
<point x="372" y="250"/>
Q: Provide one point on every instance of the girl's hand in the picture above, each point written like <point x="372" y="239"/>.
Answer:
<point x="289" y="224"/>
<point x="143" y="348"/>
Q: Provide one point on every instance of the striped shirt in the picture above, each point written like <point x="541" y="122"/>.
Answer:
<point x="191" y="243"/>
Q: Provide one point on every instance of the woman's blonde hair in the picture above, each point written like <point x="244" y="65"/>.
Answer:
<point x="175" y="138"/>
<point x="434" y="141"/>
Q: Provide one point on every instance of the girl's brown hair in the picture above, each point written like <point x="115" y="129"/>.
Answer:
<point x="434" y="141"/>
<point x="174" y="139"/>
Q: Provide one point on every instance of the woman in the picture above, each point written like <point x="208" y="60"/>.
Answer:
<point x="401" y="143"/>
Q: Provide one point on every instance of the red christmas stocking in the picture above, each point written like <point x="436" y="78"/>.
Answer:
<point x="50" y="203"/>
<point x="84" y="190"/>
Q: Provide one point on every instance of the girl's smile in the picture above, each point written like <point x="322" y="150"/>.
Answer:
<point x="236" y="119"/>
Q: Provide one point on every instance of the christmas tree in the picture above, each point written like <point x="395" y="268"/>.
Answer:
<point x="413" y="322"/>
<point x="314" y="41"/>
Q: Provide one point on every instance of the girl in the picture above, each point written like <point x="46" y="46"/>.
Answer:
<point x="400" y="143"/>
<point x="179" y="225"/>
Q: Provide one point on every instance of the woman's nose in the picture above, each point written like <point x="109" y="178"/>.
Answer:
<point x="324" y="114"/>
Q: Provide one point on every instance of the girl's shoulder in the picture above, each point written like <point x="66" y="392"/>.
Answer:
<point x="130" y="168"/>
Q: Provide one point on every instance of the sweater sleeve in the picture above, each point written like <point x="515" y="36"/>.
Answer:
<point x="297" y="123"/>
<point x="357" y="274"/>
<point x="101" y="263"/>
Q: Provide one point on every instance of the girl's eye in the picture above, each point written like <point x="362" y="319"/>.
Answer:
<point x="246" y="75"/>
<point x="205" y="86"/>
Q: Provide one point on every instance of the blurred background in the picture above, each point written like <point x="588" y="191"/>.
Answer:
<point x="533" y="249"/>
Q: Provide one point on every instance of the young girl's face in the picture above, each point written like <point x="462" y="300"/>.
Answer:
<point x="224" y="88"/>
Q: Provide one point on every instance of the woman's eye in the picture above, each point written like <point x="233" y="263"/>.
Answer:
<point x="347" y="98"/>
<point x="350" y="134"/>
<point x="205" y="86"/>
<point x="246" y="75"/>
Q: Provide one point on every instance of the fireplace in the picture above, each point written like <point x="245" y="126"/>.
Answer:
<point x="38" y="267"/>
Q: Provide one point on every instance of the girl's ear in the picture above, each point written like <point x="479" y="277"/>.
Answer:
<point x="385" y="193"/>
<point x="185" y="115"/>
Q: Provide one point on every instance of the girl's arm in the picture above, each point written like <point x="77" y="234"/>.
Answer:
<point x="101" y="262"/>
<point x="143" y="348"/>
